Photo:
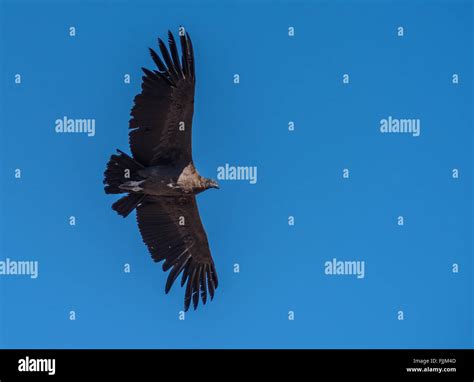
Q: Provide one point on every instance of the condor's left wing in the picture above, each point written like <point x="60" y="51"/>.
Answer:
<point x="172" y="230"/>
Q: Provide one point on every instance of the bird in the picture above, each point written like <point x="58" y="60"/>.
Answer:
<point x="159" y="178"/>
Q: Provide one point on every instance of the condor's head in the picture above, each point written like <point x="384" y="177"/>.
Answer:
<point x="207" y="183"/>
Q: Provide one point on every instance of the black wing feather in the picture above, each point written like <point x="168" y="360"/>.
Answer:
<point x="191" y="55"/>
<point x="161" y="66"/>
<point x="166" y="56"/>
<point x="189" y="291"/>
<point x="210" y="282"/>
<point x="203" y="285"/>
<point x="174" y="53"/>
<point x="184" y="54"/>
<point x="177" y="268"/>
<point x="197" y="282"/>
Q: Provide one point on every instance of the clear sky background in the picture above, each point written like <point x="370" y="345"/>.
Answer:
<point x="407" y="268"/>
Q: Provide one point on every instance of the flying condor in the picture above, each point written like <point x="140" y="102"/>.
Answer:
<point x="159" y="179"/>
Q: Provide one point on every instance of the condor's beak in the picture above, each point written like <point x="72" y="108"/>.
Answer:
<point x="214" y="184"/>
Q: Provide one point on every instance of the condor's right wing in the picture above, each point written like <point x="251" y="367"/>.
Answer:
<point x="162" y="116"/>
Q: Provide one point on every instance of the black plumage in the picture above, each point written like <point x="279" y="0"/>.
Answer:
<point x="160" y="180"/>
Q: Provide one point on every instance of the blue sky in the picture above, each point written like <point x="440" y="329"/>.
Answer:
<point x="407" y="268"/>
